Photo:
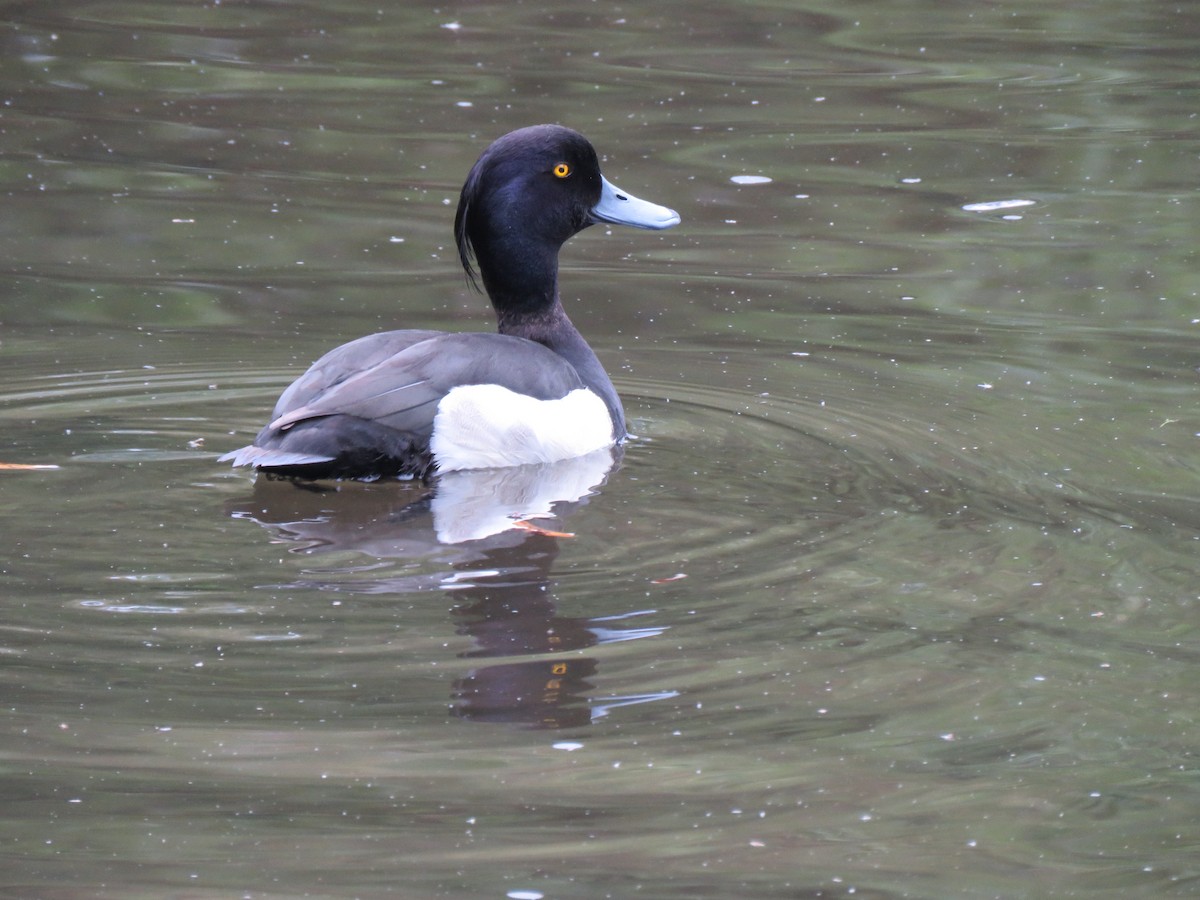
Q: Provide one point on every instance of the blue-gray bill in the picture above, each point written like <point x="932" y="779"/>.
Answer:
<point x="620" y="208"/>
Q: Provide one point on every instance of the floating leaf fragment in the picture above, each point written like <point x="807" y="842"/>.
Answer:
<point x="993" y="205"/>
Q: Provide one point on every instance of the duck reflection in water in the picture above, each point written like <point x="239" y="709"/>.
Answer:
<point x="500" y="575"/>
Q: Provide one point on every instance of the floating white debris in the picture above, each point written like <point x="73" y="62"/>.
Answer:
<point x="993" y="205"/>
<point x="524" y="895"/>
<point x="750" y="179"/>
<point x="567" y="745"/>
<point x="452" y="26"/>
<point x="910" y="180"/>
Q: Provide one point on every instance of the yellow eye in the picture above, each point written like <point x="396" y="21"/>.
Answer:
<point x="562" y="170"/>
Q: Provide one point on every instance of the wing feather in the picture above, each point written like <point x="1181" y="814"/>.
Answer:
<point x="401" y="391"/>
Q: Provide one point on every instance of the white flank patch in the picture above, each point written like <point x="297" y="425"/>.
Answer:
<point x="483" y="426"/>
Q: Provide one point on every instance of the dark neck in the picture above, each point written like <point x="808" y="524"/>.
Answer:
<point x="550" y="327"/>
<point x="521" y="278"/>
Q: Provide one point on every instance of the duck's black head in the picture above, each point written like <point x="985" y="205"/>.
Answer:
<point x="529" y="192"/>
